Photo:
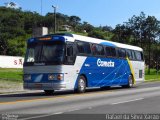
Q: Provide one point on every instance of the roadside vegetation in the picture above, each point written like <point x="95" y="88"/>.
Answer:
<point x="12" y="75"/>
<point x="10" y="80"/>
<point x="153" y="76"/>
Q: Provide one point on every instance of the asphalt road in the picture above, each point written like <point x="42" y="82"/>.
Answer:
<point x="95" y="104"/>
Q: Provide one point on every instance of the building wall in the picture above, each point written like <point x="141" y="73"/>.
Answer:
<point x="11" y="62"/>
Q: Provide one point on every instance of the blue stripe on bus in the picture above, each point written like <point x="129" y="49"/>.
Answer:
<point x="106" y="74"/>
<point x="108" y="44"/>
<point x="42" y="78"/>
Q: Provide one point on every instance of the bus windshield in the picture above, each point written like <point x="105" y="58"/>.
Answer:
<point x="45" y="52"/>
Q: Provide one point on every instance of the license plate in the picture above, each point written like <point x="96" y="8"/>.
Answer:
<point x="38" y="85"/>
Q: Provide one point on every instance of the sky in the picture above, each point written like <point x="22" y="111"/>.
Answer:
<point x="95" y="12"/>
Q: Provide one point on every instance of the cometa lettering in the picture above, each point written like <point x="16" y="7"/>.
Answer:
<point x="101" y="63"/>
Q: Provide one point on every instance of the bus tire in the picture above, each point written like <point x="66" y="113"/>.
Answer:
<point x="49" y="92"/>
<point x="81" y="88"/>
<point x="130" y="82"/>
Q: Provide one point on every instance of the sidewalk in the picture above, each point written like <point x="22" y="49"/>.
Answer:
<point x="8" y="87"/>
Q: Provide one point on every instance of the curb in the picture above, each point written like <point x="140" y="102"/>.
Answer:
<point x="20" y="92"/>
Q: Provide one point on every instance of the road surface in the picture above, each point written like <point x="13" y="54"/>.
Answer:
<point x="95" y="104"/>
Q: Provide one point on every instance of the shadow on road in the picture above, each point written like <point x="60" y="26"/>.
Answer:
<point x="60" y="93"/>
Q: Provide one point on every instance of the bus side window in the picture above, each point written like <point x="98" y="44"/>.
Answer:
<point x="83" y="48"/>
<point x="113" y="52"/>
<point x="129" y="54"/>
<point x="121" y="53"/>
<point x="133" y="55"/>
<point x="138" y="56"/>
<point x="110" y="52"/>
<point x="97" y="50"/>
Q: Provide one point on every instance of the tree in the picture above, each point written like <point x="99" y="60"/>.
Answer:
<point x="87" y="27"/>
<point x="152" y="32"/>
<point x="12" y="25"/>
<point x="74" y="21"/>
<point x="96" y="34"/>
<point x="137" y="25"/>
<point x="122" y="34"/>
<point x="140" y="31"/>
<point x="107" y="28"/>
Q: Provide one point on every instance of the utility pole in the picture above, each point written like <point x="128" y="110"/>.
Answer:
<point x="54" y="7"/>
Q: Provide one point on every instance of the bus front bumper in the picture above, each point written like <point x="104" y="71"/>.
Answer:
<point x="44" y="86"/>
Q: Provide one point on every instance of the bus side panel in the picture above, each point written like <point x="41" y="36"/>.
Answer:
<point x="72" y="72"/>
<point x="106" y="71"/>
<point x="139" y="70"/>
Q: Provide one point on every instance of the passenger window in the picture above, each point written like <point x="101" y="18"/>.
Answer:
<point x="97" y="50"/>
<point x="121" y="53"/>
<point x="110" y="52"/>
<point x="83" y="48"/>
<point x="129" y="54"/>
<point x="133" y="55"/>
<point x="113" y="52"/>
<point x="138" y="55"/>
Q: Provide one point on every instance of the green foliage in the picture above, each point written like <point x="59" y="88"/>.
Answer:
<point x="141" y="31"/>
<point x="100" y="33"/>
<point x="74" y="21"/>
<point x="17" y="45"/>
<point x="87" y="27"/>
<point x="16" y="27"/>
<point x="96" y="34"/>
<point x="11" y="74"/>
<point x="153" y="76"/>
<point x="11" y="28"/>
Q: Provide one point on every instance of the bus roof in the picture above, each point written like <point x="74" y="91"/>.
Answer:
<point x="73" y="37"/>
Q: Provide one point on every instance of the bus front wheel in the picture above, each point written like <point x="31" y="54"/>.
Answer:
<point x="49" y="92"/>
<point x="81" y="84"/>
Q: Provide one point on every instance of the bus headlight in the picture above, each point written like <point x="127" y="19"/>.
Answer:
<point x="51" y="77"/>
<point x="60" y="77"/>
<point x="55" y="77"/>
<point x="27" y="77"/>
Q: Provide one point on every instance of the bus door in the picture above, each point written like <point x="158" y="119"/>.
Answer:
<point x="70" y="55"/>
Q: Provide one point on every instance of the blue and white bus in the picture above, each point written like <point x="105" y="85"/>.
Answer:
<point x="75" y="62"/>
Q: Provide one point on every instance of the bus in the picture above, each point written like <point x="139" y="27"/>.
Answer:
<point x="74" y="62"/>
